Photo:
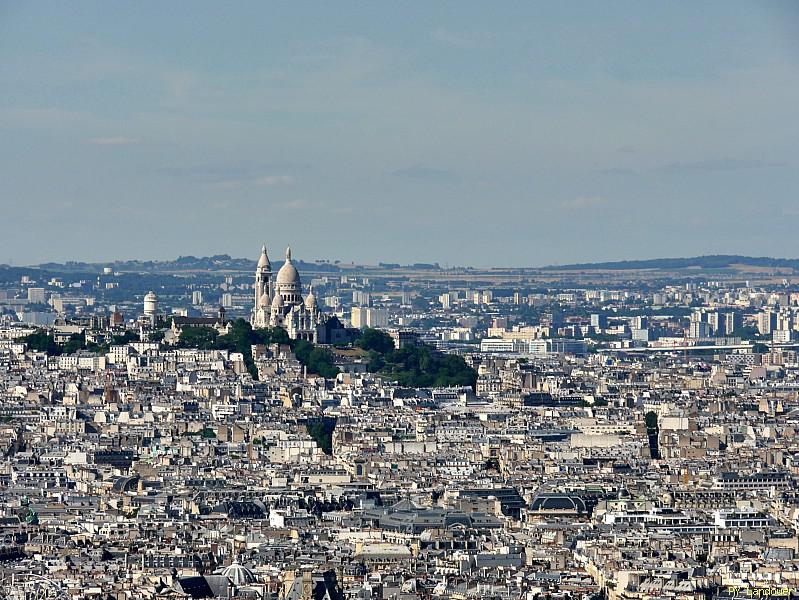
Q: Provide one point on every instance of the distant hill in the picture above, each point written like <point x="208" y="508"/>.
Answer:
<point x="224" y="262"/>
<point x="219" y="262"/>
<point x="715" y="261"/>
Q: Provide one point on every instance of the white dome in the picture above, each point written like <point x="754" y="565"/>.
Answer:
<point x="288" y="275"/>
<point x="151" y="296"/>
<point x="277" y="302"/>
<point x="264" y="301"/>
<point x="310" y="301"/>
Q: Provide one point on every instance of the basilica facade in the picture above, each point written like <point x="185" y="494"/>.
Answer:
<point x="279" y="302"/>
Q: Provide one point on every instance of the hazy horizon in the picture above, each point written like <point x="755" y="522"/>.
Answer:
<point x="444" y="265"/>
<point x="459" y="133"/>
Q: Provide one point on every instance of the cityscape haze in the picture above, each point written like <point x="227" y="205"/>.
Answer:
<point x="412" y="301"/>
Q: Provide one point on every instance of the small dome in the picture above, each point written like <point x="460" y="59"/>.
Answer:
<point x="126" y="484"/>
<point x="558" y="502"/>
<point x="238" y="574"/>
<point x="263" y="262"/>
<point x="277" y="302"/>
<point x="264" y="301"/>
<point x="310" y="300"/>
<point x="151" y="296"/>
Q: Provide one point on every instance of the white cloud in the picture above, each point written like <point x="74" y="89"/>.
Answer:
<point x="583" y="202"/>
<point x="301" y="204"/>
<point x="264" y="181"/>
<point x="270" y="180"/>
<point x="224" y="185"/>
<point x="296" y="204"/>
<point x="461" y="39"/>
<point x="113" y="141"/>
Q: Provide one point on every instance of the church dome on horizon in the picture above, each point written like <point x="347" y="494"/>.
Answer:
<point x="288" y="274"/>
<point x="279" y="302"/>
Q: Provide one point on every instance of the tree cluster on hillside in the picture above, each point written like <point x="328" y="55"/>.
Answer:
<point x="414" y="366"/>
<point x="242" y="337"/>
<point x="316" y="359"/>
<point x="41" y="341"/>
<point x="374" y="340"/>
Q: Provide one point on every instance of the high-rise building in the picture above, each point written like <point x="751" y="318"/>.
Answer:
<point x="360" y="298"/>
<point x="732" y="322"/>
<point x="716" y="323"/>
<point x="361" y="317"/>
<point x="782" y="336"/>
<point x="698" y="329"/>
<point x="196" y="297"/>
<point x="499" y="322"/>
<point x="766" y="322"/>
<point x="36" y="295"/>
<point x="358" y="317"/>
<point x="784" y="321"/>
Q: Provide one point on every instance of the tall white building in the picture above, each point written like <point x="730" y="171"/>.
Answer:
<point x="368" y="317"/>
<point x="766" y="322"/>
<point x="151" y="307"/>
<point x="36" y="295"/>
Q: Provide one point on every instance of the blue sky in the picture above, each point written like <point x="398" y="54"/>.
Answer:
<point x="509" y="133"/>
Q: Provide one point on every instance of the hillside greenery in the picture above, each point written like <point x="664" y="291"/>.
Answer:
<point x="42" y="341"/>
<point x="414" y="366"/>
<point x="242" y="337"/>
